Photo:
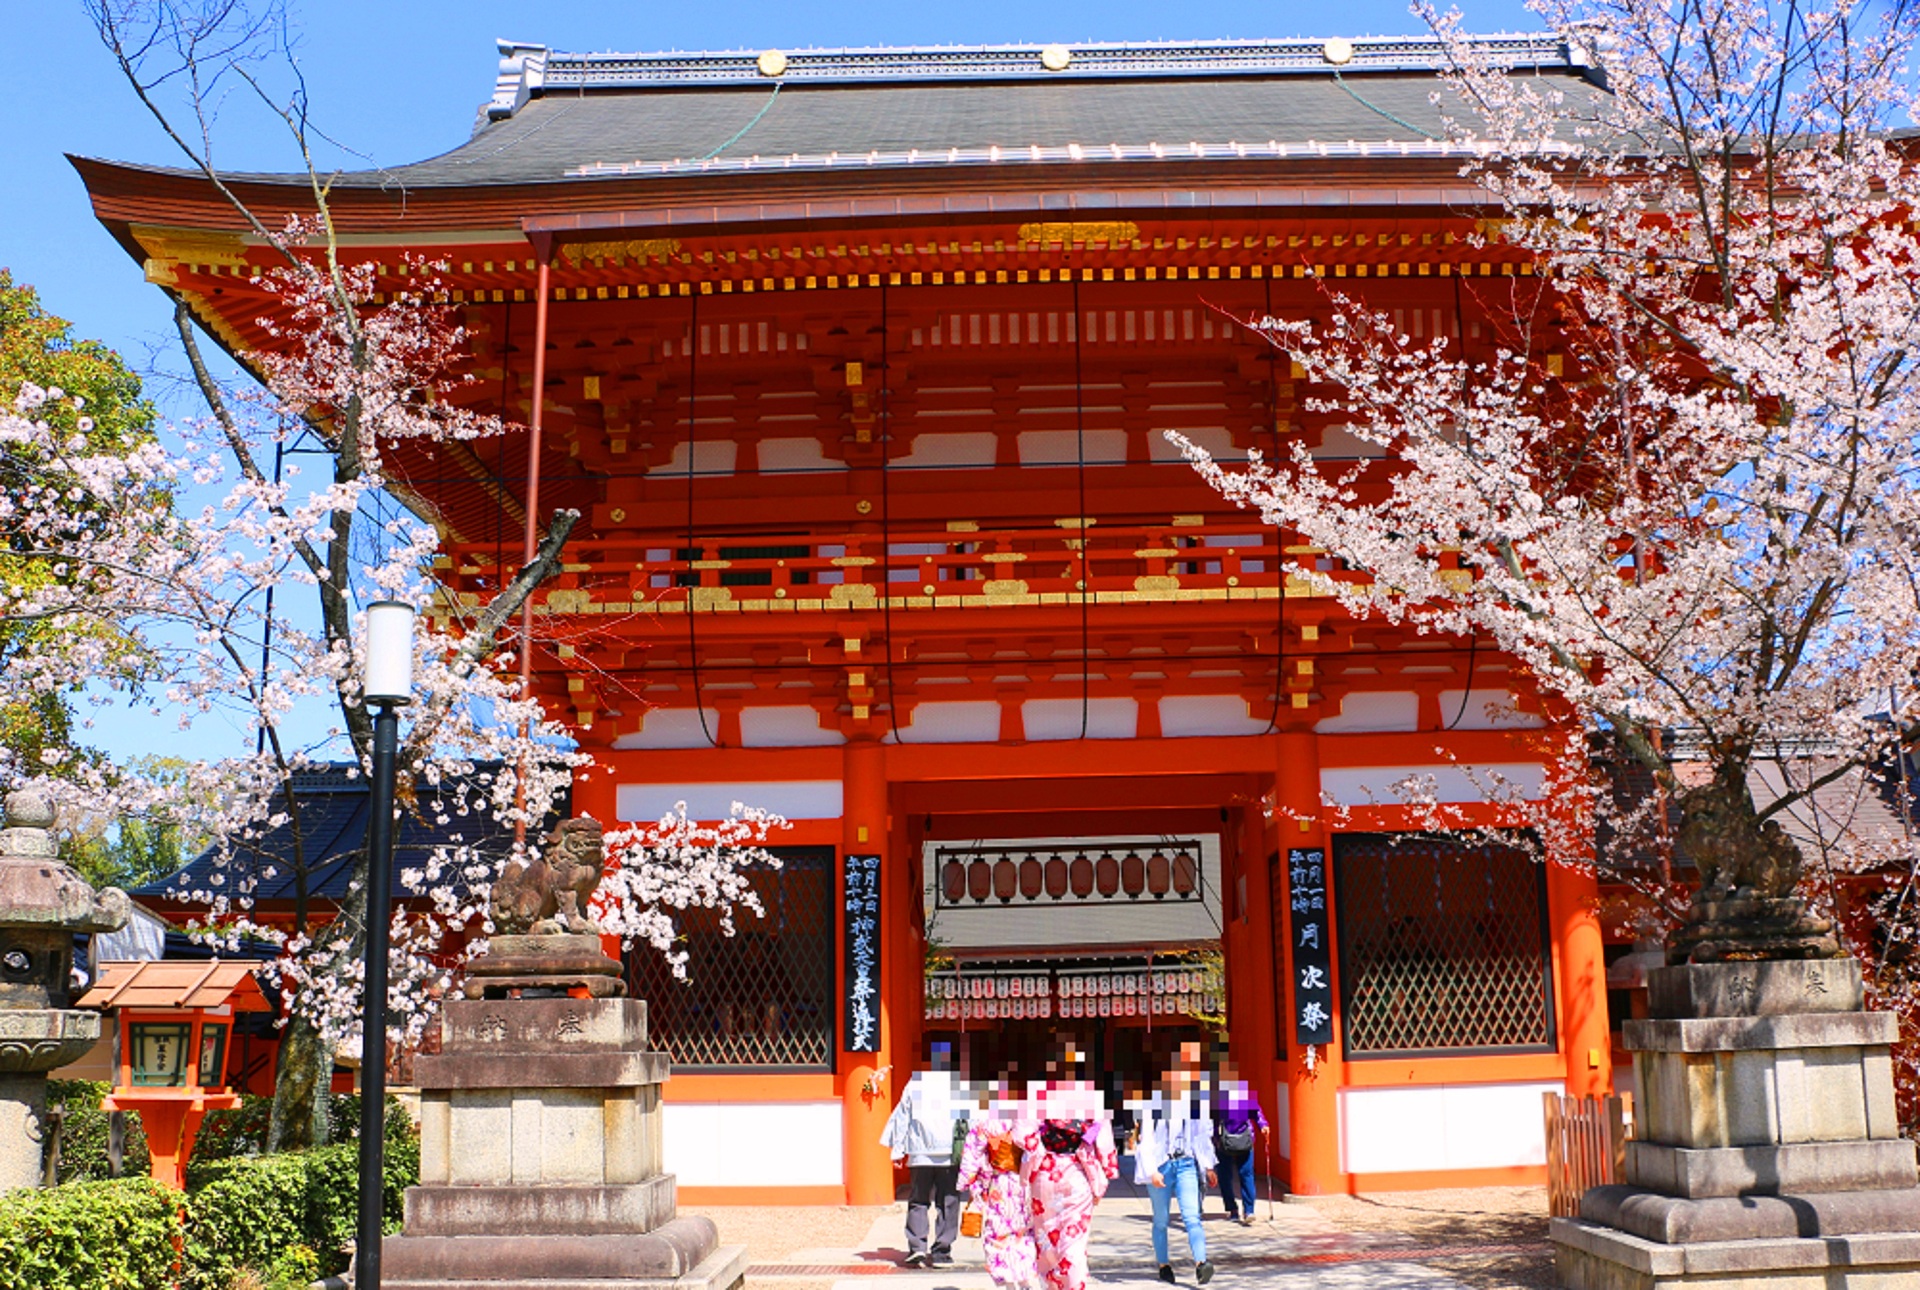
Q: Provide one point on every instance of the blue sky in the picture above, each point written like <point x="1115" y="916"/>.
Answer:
<point x="400" y="80"/>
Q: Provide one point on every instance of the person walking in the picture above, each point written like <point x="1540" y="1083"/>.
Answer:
<point x="923" y="1131"/>
<point x="1068" y="1162"/>
<point x="1238" y="1126"/>
<point x="1175" y="1149"/>
<point x="990" y="1170"/>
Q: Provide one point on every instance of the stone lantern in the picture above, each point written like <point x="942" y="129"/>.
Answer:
<point x="43" y="904"/>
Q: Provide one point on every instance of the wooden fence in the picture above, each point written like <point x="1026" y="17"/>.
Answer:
<point x="1586" y="1146"/>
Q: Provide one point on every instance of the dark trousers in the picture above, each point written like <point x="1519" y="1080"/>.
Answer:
<point x="933" y="1185"/>
<point x="1237" y="1186"/>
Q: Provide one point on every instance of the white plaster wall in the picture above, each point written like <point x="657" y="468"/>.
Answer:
<point x="964" y="448"/>
<point x="747" y="1144"/>
<point x="1217" y="440"/>
<point x="792" y="726"/>
<point x="1044" y="719"/>
<point x="1283" y="1119"/>
<point x="1187" y="716"/>
<point x="797" y="799"/>
<point x="673" y="728"/>
<point x="710" y="457"/>
<point x="780" y="456"/>
<point x="1374" y="785"/>
<point x="1065" y="448"/>
<point x="1443" y="1126"/>
<point x="1483" y="709"/>
<point x="1373" y="711"/>
<point x="955" y="721"/>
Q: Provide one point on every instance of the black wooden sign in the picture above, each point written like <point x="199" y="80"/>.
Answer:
<point x="1307" y="934"/>
<point x="860" y="937"/>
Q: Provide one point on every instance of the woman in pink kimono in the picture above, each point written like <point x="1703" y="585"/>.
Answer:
<point x="1069" y="1161"/>
<point x="990" y="1169"/>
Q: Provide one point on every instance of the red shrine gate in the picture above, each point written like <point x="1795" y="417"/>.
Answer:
<point x="865" y="412"/>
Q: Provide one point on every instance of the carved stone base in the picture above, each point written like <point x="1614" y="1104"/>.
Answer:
<point x="1590" y="1256"/>
<point x="1736" y="929"/>
<point x="681" y="1255"/>
<point x="544" y="966"/>
<point x="540" y="1156"/>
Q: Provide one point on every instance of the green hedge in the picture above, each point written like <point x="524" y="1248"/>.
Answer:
<point x="252" y="1211"/>
<point x="112" y="1235"/>
<point x="83" y="1133"/>
<point x="257" y="1222"/>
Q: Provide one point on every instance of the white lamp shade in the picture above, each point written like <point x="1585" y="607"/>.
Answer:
<point x="389" y="661"/>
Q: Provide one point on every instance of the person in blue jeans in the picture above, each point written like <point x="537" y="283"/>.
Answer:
<point x="1175" y="1150"/>
<point x="1238" y="1128"/>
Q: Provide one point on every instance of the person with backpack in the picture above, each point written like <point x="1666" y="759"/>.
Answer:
<point x="1238" y="1126"/>
<point x="1176" y="1149"/>
<point x="924" y="1130"/>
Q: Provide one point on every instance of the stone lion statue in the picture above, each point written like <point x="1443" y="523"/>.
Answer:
<point x="548" y="896"/>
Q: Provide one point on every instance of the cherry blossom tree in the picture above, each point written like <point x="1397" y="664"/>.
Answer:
<point x="1677" y="486"/>
<point x="250" y="607"/>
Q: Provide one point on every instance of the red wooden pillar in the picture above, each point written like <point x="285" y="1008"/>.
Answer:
<point x="1572" y="897"/>
<point x="866" y="1097"/>
<point x="1252" y="977"/>
<point x="1313" y="1115"/>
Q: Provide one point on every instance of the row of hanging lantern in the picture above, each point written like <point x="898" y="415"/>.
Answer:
<point x="1136" y="993"/>
<point x="1077" y="875"/>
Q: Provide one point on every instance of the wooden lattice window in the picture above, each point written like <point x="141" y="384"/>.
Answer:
<point x="1443" y="948"/>
<point x="761" y="999"/>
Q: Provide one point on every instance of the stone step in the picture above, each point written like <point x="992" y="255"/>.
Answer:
<point x="1783" y="1169"/>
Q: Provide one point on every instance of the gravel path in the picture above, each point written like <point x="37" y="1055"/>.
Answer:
<point x="1480" y="1216"/>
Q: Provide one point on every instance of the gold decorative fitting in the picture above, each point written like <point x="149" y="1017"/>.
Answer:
<point x="590" y="387"/>
<point x="190" y="245"/>
<point x="863" y="506"/>
<point x="1079" y="231"/>
<point x="1055" y="58"/>
<point x="642" y="250"/>
<point x="771" y="63"/>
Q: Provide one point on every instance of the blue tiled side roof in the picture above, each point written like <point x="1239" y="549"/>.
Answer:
<point x="333" y="817"/>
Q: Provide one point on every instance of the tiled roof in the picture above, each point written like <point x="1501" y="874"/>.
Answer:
<point x="557" y="116"/>
<point x="333" y="809"/>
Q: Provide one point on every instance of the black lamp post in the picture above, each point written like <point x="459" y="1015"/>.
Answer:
<point x="388" y="684"/>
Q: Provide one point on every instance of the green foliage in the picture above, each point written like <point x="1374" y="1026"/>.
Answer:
<point x="84" y="1130"/>
<point x="248" y="1221"/>
<point x="123" y="850"/>
<point x="115" y="1235"/>
<point x="250" y="1212"/>
<point x="37" y="347"/>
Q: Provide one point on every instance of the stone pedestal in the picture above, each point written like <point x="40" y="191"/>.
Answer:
<point x="1766" y="1151"/>
<point x="540" y="1159"/>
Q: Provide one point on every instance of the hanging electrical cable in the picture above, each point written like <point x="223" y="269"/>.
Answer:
<point x="1279" y="536"/>
<point x="693" y="549"/>
<point x="1473" y="637"/>
<point x="1080" y="462"/>
<point x="886" y="518"/>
